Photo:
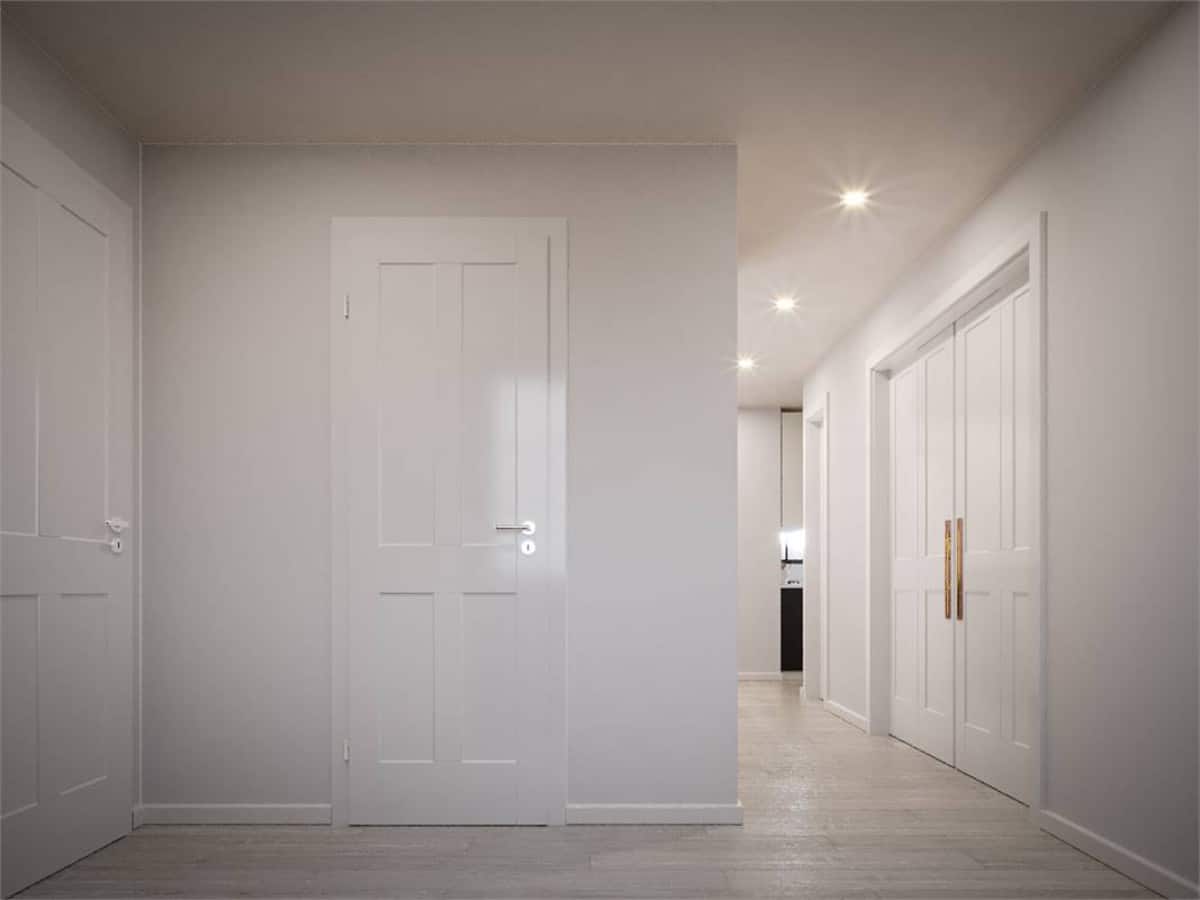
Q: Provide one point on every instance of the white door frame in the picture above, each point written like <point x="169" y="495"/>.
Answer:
<point x="1028" y="244"/>
<point x="341" y="231"/>
<point x="816" y="512"/>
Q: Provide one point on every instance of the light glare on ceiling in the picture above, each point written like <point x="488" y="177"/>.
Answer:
<point x="746" y="363"/>
<point x="785" y="304"/>
<point x="855" y="198"/>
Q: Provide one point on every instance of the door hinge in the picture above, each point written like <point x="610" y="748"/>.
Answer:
<point x="346" y="307"/>
<point x="346" y="750"/>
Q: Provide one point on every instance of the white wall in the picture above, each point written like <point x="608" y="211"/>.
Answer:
<point x="1119" y="184"/>
<point x="792" y="469"/>
<point x="237" y="577"/>
<point x="38" y="91"/>
<point x="758" y="470"/>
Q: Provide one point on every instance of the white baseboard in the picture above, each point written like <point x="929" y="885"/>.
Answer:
<point x="1124" y="860"/>
<point x="654" y="813"/>
<point x="797" y="677"/>
<point x="235" y="814"/>
<point x="139" y="816"/>
<point x="848" y="715"/>
<point x="760" y="676"/>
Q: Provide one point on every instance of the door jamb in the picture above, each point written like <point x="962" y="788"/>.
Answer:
<point x="817" y="688"/>
<point x="1029" y="240"/>
<point x="554" y="535"/>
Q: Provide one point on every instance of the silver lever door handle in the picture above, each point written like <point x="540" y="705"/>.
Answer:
<point x="526" y="527"/>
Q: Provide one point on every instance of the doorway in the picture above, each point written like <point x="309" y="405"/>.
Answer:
<point x="448" y="462"/>
<point x="955" y="600"/>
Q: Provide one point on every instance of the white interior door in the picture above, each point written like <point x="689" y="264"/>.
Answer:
<point x="997" y="619"/>
<point x="922" y="478"/>
<point x="449" y="602"/>
<point x="65" y="593"/>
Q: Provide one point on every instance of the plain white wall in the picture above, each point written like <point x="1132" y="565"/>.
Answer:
<point x="237" y="574"/>
<point x="1119" y="183"/>
<point x="36" y="89"/>
<point x="758" y="472"/>
<point x="792" y="469"/>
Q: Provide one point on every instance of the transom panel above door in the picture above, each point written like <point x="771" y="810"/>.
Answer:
<point x="450" y="529"/>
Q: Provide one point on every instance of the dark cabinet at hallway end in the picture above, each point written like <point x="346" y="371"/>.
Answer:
<point x="791" y="621"/>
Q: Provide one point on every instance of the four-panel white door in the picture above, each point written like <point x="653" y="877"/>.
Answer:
<point x="65" y="591"/>
<point x="963" y="571"/>
<point x="447" y="512"/>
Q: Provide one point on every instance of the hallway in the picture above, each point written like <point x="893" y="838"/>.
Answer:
<point x="829" y="813"/>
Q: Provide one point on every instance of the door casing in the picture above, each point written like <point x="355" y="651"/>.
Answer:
<point x="342" y="232"/>
<point x="1025" y="248"/>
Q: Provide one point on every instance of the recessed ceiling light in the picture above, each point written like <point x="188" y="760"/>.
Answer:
<point x="785" y="304"/>
<point x="746" y="363"/>
<point x="855" y="199"/>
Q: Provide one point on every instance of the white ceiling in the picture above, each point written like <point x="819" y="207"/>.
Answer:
<point x="926" y="105"/>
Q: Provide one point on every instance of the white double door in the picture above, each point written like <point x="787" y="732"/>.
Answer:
<point x="66" y="663"/>
<point x="449" y="541"/>
<point x="964" y="603"/>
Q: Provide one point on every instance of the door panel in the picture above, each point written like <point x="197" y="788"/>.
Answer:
<point x="448" y="630"/>
<point x="923" y="499"/>
<point x="997" y="635"/>
<point x="72" y="374"/>
<point x="65" y="594"/>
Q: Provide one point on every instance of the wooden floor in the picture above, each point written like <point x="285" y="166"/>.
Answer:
<point x="830" y="812"/>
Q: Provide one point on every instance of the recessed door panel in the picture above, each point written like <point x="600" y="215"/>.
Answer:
<point x="407" y="400"/>
<point x="404" y="684"/>
<point x="905" y="647"/>
<point x="982" y="651"/>
<point x="937" y="687"/>
<point x="19" y="357"/>
<point x="982" y="414"/>
<point x="489" y="398"/>
<point x="19" y="681"/>
<point x="490" y="701"/>
<point x="73" y="374"/>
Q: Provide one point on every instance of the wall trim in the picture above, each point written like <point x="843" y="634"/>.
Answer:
<point x="654" y="813"/>
<point x="760" y="676"/>
<point x="139" y="816"/>
<point x="1124" y="860"/>
<point x="846" y="714"/>
<point x="797" y="677"/>
<point x="232" y="814"/>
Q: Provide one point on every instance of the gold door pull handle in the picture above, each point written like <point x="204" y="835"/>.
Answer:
<point x="959" y="535"/>
<point x="949" y="567"/>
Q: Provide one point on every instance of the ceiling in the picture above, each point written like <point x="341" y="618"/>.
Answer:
<point x="927" y="106"/>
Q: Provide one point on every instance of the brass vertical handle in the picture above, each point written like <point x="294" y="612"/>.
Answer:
<point x="948" y="568"/>
<point x="960" y="567"/>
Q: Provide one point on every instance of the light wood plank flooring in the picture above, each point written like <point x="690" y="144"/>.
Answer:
<point x="830" y="812"/>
